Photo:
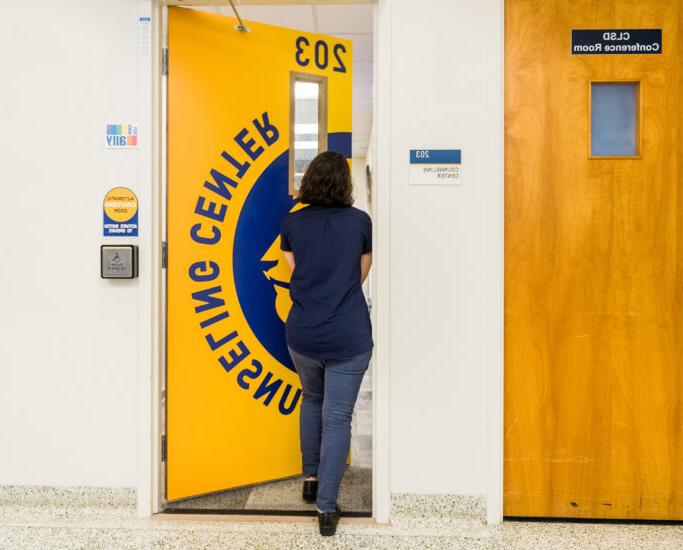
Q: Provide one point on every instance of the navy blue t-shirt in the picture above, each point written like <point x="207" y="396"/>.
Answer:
<point x="329" y="318"/>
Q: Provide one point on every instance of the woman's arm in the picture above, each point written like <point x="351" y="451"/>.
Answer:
<point x="289" y="256"/>
<point x="365" y="263"/>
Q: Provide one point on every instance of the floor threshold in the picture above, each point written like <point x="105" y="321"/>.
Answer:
<point x="261" y="517"/>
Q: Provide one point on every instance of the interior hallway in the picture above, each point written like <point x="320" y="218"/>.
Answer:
<point x="41" y="519"/>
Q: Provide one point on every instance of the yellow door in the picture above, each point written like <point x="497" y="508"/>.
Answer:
<point x="245" y="112"/>
<point x="593" y="260"/>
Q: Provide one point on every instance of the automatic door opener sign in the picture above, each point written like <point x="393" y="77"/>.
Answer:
<point x="120" y="213"/>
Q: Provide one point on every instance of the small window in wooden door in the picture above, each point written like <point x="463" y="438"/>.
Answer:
<point x="614" y="119"/>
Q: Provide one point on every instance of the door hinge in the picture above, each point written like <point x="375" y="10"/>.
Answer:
<point x="164" y="254"/>
<point x="164" y="450"/>
<point x="164" y="61"/>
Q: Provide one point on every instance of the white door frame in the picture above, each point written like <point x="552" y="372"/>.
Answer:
<point x="150" y="273"/>
<point x="381" y="281"/>
<point x="495" y="255"/>
<point x="151" y="301"/>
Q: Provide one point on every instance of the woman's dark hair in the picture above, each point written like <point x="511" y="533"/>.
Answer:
<point x="327" y="181"/>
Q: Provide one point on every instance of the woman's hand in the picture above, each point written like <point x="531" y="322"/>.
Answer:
<point x="365" y="263"/>
<point x="289" y="256"/>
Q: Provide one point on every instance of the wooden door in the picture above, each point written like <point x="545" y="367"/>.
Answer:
<point x="593" y="270"/>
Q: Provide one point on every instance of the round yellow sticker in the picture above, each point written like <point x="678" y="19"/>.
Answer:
<point x="120" y="204"/>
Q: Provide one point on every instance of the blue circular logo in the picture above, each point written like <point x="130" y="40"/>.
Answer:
<point x="261" y="276"/>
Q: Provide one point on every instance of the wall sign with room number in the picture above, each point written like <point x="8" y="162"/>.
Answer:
<point x="435" y="166"/>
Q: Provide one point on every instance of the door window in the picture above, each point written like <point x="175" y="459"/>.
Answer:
<point x="614" y="119"/>
<point x="308" y="124"/>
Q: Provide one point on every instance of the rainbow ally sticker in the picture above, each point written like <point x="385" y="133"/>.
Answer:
<point x="122" y="136"/>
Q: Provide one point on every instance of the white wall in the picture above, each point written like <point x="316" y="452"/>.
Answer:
<point x="68" y="340"/>
<point x="360" y="183"/>
<point x="438" y="256"/>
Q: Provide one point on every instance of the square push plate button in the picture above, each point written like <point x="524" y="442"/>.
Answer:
<point x="119" y="261"/>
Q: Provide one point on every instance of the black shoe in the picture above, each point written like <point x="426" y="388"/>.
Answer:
<point x="327" y="521"/>
<point x="310" y="490"/>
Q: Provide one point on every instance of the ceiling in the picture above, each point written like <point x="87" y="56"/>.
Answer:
<point x="352" y="22"/>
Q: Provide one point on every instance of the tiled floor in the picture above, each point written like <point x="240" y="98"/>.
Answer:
<point x="37" y="521"/>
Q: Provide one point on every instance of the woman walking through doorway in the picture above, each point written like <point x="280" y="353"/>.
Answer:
<point x="328" y="245"/>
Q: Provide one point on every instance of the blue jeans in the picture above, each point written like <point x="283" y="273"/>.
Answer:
<point x="330" y="389"/>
